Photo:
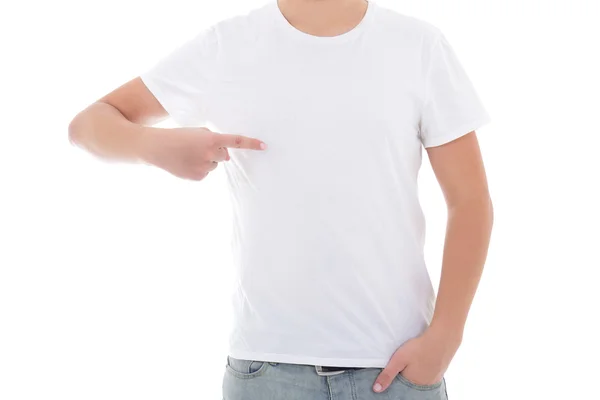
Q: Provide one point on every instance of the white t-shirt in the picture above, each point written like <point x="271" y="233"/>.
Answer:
<point x="328" y="231"/>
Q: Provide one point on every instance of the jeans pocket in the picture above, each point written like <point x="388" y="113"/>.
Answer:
<point x="245" y="369"/>
<point x="416" y="386"/>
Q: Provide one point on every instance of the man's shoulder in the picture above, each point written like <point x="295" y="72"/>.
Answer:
<point x="408" y="26"/>
<point x="246" y="26"/>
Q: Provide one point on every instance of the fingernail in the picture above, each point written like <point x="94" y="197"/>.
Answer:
<point x="263" y="146"/>
<point x="377" y="387"/>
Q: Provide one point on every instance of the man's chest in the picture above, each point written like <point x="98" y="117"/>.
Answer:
<point x="326" y="97"/>
<point x="334" y="125"/>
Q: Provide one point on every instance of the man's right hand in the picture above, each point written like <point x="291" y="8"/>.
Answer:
<point x="191" y="153"/>
<point x="120" y="127"/>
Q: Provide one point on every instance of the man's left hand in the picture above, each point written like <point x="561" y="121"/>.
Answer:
<point x="422" y="360"/>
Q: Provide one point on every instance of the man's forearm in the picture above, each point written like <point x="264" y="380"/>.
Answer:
<point x="103" y="131"/>
<point x="467" y="239"/>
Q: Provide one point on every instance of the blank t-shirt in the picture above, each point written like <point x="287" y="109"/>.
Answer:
<point x="328" y="231"/>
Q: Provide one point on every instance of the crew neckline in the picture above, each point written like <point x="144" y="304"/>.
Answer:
<point x="301" y="35"/>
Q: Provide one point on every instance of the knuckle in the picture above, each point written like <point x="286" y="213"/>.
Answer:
<point x="209" y="155"/>
<point x="213" y="139"/>
<point x="238" y="140"/>
<point x="384" y="377"/>
<point x="198" y="174"/>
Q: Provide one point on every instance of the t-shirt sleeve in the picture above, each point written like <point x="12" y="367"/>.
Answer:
<point x="451" y="105"/>
<point x="181" y="79"/>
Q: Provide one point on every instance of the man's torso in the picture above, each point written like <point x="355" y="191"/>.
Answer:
<point x="328" y="232"/>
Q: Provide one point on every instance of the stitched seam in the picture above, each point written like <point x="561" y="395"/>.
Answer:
<point x="423" y="388"/>
<point x="331" y="395"/>
<point x="353" y="386"/>
<point x="445" y="388"/>
<point x="241" y="375"/>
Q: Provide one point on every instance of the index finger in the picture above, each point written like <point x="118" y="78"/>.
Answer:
<point x="239" y="142"/>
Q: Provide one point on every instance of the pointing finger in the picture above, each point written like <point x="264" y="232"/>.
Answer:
<point x="239" y="142"/>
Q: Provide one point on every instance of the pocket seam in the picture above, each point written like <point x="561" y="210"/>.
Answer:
<point x="416" y="386"/>
<point x="250" y="375"/>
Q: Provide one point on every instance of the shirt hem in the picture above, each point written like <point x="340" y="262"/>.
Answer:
<point x="309" y="360"/>
<point x="457" y="133"/>
<point x="161" y="97"/>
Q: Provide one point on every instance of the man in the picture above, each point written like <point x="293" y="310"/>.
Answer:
<point x="319" y="111"/>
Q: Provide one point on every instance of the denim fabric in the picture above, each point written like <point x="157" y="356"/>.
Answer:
<point x="258" y="380"/>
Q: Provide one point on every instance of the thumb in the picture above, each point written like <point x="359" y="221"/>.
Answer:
<point x="387" y="376"/>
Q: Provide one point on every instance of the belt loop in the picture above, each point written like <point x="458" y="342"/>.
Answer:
<point x="320" y="371"/>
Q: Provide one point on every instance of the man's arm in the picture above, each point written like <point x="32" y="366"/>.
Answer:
<point x="114" y="127"/>
<point x="459" y="169"/>
<point x="460" y="172"/>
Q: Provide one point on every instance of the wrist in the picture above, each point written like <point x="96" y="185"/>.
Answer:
<point x="146" y="143"/>
<point x="449" y="333"/>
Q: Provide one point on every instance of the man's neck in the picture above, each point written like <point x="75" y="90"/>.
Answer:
<point x="323" y="17"/>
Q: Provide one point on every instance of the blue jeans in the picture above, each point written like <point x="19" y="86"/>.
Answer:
<point x="259" y="380"/>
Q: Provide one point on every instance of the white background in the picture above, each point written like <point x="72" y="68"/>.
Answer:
<point x="114" y="279"/>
